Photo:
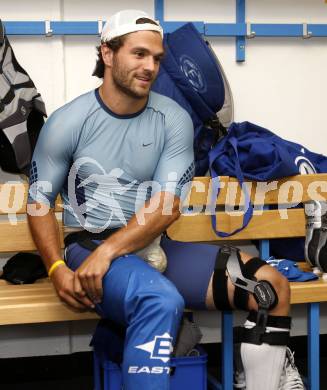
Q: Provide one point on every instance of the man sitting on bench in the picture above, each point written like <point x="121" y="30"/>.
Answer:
<point x="120" y="156"/>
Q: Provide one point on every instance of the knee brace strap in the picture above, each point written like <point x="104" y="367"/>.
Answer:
<point x="256" y="336"/>
<point x="219" y="283"/>
<point x="252" y="266"/>
<point x="241" y="296"/>
<point x="248" y="269"/>
<point x="283" y="322"/>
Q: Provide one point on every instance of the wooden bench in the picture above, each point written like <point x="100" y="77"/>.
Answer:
<point x="39" y="303"/>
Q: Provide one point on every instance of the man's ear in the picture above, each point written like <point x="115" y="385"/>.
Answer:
<point x="107" y="55"/>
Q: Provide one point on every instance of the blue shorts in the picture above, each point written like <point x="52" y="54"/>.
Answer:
<point x="190" y="267"/>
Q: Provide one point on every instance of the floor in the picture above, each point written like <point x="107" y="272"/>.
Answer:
<point x="74" y="372"/>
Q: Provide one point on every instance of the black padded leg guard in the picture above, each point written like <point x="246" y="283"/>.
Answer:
<point x="253" y="336"/>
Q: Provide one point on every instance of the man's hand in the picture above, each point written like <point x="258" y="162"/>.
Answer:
<point x="63" y="280"/>
<point x="88" y="277"/>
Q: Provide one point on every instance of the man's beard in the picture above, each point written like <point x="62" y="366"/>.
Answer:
<point x="121" y="81"/>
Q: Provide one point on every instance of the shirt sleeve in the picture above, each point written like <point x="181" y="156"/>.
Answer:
<point x="175" y="168"/>
<point x="51" y="160"/>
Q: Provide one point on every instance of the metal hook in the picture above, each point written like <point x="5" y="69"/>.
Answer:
<point x="249" y="34"/>
<point x="100" y="27"/>
<point x="305" y="33"/>
<point x="48" y="29"/>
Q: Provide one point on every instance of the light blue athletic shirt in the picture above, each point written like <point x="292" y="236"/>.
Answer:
<point x="103" y="163"/>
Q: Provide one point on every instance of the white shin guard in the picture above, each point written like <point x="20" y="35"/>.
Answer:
<point x="263" y="364"/>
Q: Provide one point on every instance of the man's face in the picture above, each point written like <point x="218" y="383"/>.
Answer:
<point x="136" y="64"/>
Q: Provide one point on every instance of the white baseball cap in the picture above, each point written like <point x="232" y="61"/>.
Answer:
<point x="124" y="22"/>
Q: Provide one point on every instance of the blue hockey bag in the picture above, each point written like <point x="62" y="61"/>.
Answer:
<point x="252" y="152"/>
<point x="191" y="75"/>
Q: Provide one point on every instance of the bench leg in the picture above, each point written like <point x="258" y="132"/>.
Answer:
<point x="227" y="350"/>
<point x="313" y="345"/>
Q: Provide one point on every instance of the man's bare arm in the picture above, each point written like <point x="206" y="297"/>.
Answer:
<point x="138" y="233"/>
<point x="145" y="226"/>
<point x="45" y="232"/>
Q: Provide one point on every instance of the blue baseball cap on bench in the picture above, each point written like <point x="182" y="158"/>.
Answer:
<point x="291" y="270"/>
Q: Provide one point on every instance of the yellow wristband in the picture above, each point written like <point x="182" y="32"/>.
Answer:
<point x="54" y="266"/>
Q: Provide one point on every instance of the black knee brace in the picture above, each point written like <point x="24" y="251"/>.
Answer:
<point x="256" y="336"/>
<point x="219" y="283"/>
<point x="241" y="275"/>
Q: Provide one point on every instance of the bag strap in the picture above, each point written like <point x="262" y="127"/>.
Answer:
<point x="215" y="192"/>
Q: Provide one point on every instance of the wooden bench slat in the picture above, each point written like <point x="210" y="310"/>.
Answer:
<point x="41" y="312"/>
<point x="34" y="303"/>
<point x="40" y="295"/>
<point x="306" y="292"/>
<point x="20" y="238"/>
<point x="41" y="290"/>
<point x="29" y="299"/>
<point x="260" y="227"/>
<point x="23" y="295"/>
<point x="11" y="289"/>
<point x="200" y="230"/>
<point x="230" y="192"/>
